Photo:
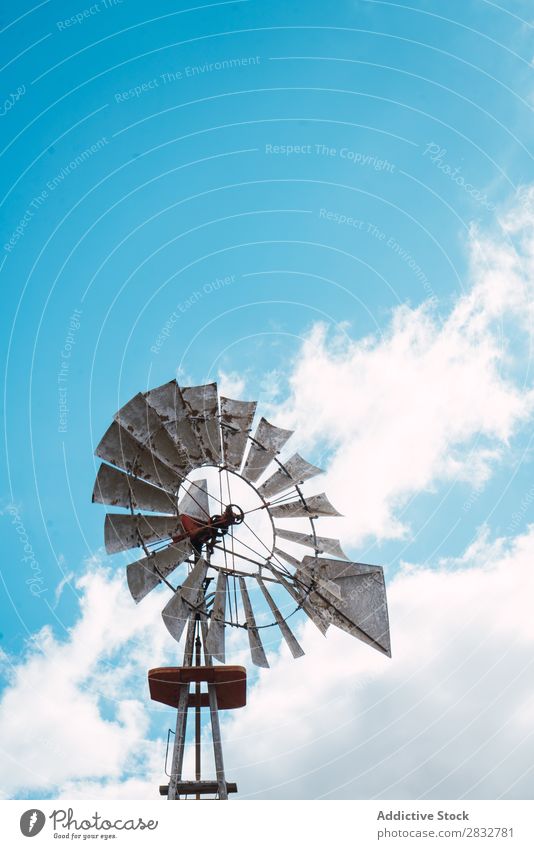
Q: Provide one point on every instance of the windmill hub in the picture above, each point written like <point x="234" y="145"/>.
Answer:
<point x="223" y="513"/>
<point x="210" y="531"/>
<point x="231" y="515"/>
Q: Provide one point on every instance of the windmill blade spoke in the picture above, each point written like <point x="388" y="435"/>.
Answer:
<point x="270" y="440"/>
<point x="288" y="635"/>
<point x="195" y="502"/>
<point x="261" y="557"/>
<point x="145" y="574"/>
<point x="362" y="610"/>
<point x="257" y="651"/>
<point x="285" y="498"/>
<point x="316" y="505"/>
<point x="296" y="470"/>
<point x="215" y="639"/>
<point x="202" y="403"/>
<point x="323" y="544"/>
<point x="118" y="447"/>
<point x="123" y="532"/>
<point x="169" y="404"/>
<point x="254" y="534"/>
<point x="144" y="424"/>
<point x="236" y="421"/>
<point x="119" y="489"/>
<point x="315" y="614"/>
<point x="177" y="611"/>
<point x="235" y="554"/>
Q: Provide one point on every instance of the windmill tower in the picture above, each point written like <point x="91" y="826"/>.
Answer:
<point x="214" y="508"/>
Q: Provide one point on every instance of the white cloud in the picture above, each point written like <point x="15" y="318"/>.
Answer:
<point x="446" y="717"/>
<point x="230" y="384"/>
<point x="432" y="399"/>
<point x="76" y="712"/>
<point x="435" y="398"/>
<point x="67" y="579"/>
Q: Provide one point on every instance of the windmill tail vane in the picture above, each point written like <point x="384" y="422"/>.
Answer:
<point x="206" y="498"/>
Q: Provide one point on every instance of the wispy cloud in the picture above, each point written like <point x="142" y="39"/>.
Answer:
<point x="437" y="397"/>
<point x="447" y="717"/>
<point x="76" y="709"/>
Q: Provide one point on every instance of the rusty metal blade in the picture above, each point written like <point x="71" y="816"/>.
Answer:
<point x="270" y="440"/>
<point x="296" y="470"/>
<point x="195" y="502"/>
<point x="323" y="544"/>
<point x="168" y="403"/>
<point x="236" y="421"/>
<point x="144" y="424"/>
<point x="362" y="610"/>
<point x="316" y="615"/>
<point x="176" y="612"/>
<point x="117" y="446"/>
<point x="145" y="574"/>
<point x="316" y="505"/>
<point x="215" y="638"/>
<point x="123" y="532"/>
<point x="257" y="651"/>
<point x="202" y="403"/>
<point x="288" y="635"/>
<point x="119" y="489"/>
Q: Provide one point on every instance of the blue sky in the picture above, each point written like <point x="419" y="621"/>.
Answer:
<point x="335" y="199"/>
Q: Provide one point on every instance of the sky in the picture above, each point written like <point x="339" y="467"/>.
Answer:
<point x="327" y="208"/>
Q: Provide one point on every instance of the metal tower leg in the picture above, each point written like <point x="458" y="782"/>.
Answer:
<point x="198" y="718"/>
<point x="197" y="627"/>
<point x="215" y="726"/>
<point x="217" y="744"/>
<point x="181" y="717"/>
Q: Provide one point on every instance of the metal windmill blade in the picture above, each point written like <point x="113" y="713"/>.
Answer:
<point x="236" y="421"/>
<point x="123" y="532"/>
<point x="195" y="502"/>
<point x="215" y="643"/>
<point x="202" y="403"/>
<point x="266" y="443"/>
<point x="167" y="401"/>
<point x="120" y="489"/>
<point x="301" y="597"/>
<point x="183" y="466"/>
<point x="259" y="658"/>
<point x="296" y="470"/>
<point x="119" y="447"/>
<point x="315" y="505"/>
<point x="147" y="573"/>
<point x="176" y="612"/>
<point x="287" y="633"/>
<point x="361" y="606"/>
<point x="320" y="544"/>
<point x="143" y="423"/>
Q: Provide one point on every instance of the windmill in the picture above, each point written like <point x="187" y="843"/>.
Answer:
<point x="224" y="525"/>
